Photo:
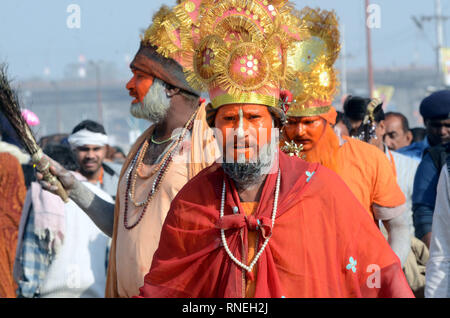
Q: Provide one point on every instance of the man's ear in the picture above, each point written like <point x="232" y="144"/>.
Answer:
<point x="409" y="136"/>
<point x="382" y="127"/>
<point x="170" y="92"/>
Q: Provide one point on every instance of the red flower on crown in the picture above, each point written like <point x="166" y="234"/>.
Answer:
<point x="286" y="99"/>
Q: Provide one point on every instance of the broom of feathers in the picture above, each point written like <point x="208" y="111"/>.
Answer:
<point x="9" y="106"/>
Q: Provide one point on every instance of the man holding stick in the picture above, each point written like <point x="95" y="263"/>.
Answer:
<point x="163" y="158"/>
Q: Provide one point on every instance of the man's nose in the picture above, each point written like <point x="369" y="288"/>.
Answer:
<point x="131" y="84"/>
<point x="90" y="154"/>
<point x="300" y="129"/>
<point x="390" y="145"/>
<point x="241" y="127"/>
<point x="444" y="131"/>
<point x="388" y="141"/>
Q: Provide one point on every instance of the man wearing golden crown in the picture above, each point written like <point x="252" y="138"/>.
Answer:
<point x="365" y="169"/>
<point x="262" y="223"/>
<point x="177" y="146"/>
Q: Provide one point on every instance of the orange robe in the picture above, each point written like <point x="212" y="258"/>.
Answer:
<point x="323" y="243"/>
<point x="12" y="198"/>
<point x="369" y="174"/>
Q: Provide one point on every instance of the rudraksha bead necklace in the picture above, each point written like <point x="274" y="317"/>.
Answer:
<point x="157" y="182"/>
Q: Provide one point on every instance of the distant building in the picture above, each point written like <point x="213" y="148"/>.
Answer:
<point x="60" y="105"/>
<point x="411" y="86"/>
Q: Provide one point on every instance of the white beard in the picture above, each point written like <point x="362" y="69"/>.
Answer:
<point x="155" y="105"/>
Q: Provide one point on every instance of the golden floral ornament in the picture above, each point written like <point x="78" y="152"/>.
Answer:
<point x="312" y="61"/>
<point x="174" y="31"/>
<point x="292" y="149"/>
<point x="246" y="69"/>
<point x="163" y="32"/>
<point x="210" y="52"/>
<point x="305" y="54"/>
<point x="315" y="88"/>
<point x="248" y="46"/>
<point x="189" y="6"/>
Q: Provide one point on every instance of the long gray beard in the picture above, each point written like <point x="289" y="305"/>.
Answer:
<point x="246" y="174"/>
<point x="155" y="105"/>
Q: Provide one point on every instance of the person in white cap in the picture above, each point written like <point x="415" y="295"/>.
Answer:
<point x="88" y="141"/>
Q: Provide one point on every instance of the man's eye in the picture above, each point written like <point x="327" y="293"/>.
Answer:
<point x="254" y="116"/>
<point x="228" y="118"/>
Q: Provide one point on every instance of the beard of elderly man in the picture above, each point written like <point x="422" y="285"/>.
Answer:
<point x="248" y="138"/>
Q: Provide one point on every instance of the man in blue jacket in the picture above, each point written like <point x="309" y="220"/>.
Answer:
<point x="435" y="110"/>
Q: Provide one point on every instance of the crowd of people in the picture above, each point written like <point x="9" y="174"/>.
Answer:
<point x="265" y="190"/>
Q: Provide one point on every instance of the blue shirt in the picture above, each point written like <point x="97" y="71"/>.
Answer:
<point x="424" y="195"/>
<point x="415" y="150"/>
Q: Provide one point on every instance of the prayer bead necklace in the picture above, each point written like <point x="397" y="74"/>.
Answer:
<point x="157" y="182"/>
<point x="248" y="268"/>
<point x="139" y="164"/>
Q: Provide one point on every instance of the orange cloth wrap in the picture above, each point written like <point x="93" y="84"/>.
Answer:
<point x="12" y="198"/>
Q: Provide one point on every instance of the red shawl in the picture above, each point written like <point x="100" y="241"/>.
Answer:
<point x="320" y="231"/>
<point x="12" y="197"/>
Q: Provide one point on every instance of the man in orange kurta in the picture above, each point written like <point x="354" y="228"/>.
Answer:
<point x="12" y="198"/>
<point x="364" y="168"/>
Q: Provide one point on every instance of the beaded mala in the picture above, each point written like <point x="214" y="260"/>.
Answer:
<point x="139" y="163"/>
<point x="163" y="167"/>
<point x="222" y="231"/>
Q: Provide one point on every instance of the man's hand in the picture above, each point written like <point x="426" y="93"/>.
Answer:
<point x="100" y="211"/>
<point x="427" y="239"/>
<point x="65" y="177"/>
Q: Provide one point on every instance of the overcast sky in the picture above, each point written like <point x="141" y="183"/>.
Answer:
<point x="35" y="39"/>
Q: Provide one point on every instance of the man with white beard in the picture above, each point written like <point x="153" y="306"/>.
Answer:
<point x="170" y="152"/>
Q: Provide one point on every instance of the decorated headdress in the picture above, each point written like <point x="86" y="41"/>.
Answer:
<point x="167" y="45"/>
<point x="312" y="60"/>
<point x="241" y="57"/>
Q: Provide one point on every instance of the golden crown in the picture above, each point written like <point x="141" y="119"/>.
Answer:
<point x="174" y="30"/>
<point x="241" y="57"/>
<point x="312" y="60"/>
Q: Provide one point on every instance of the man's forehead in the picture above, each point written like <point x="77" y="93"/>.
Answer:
<point x="245" y="108"/>
<point x="139" y="71"/>
<point x="89" y="146"/>
<point x="393" y="119"/>
<point x="298" y="119"/>
<point x="393" y="122"/>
